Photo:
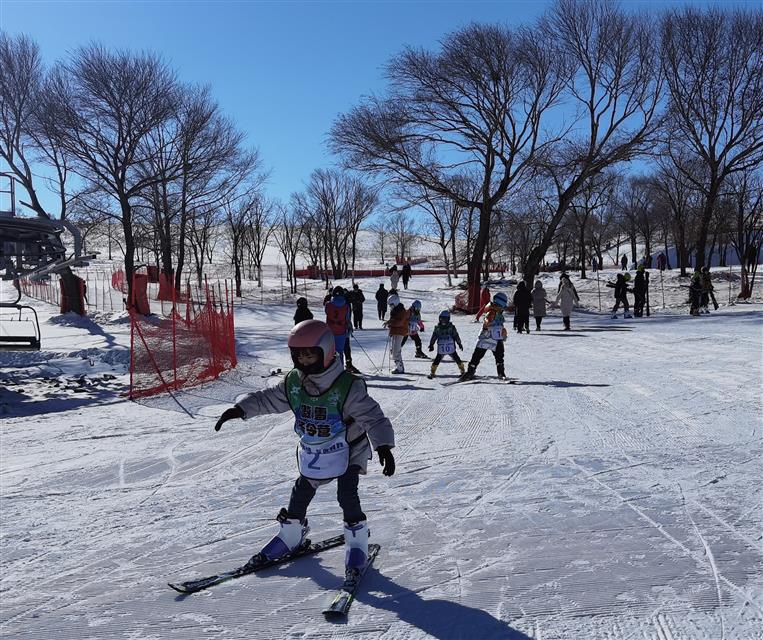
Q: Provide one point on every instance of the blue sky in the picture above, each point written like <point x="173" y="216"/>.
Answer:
<point x="281" y="70"/>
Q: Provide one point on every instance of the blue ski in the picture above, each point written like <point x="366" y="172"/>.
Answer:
<point x="342" y="601"/>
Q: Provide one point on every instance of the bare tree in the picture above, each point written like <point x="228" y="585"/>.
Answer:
<point x="477" y="103"/>
<point x="595" y="194"/>
<point x="288" y="232"/>
<point x="616" y="88"/>
<point x="260" y="227"/>
<point x="747" y="237"/>
<point x="106" y="105"/>
<point x="713" y="63"/>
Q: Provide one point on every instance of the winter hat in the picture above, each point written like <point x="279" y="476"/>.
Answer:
<point x="538" y="284"/>
<point x="627" y="277"/>
<point x="301" y="302"/>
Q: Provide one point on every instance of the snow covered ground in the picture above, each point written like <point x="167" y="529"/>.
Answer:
<point x="613" y="493"/>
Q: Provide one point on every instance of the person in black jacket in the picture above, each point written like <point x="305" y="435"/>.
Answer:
<point x="523" y="300"/>
<point x="621" y="295"/>
<point x="639" y="292"/>
<point x="357" y="301"/>
<point x="381" y="301"/>
<point x="406" y="274"/>
<point x="302" y="313"/>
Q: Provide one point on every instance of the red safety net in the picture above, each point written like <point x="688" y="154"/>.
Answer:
<point x="194" y="344"/>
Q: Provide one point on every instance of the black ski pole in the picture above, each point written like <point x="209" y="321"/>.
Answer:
<point x="366" y="353"/>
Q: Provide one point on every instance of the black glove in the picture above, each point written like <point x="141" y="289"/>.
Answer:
<point x="431" y="347"/>
<point x="229" y="414"/>
<point x="386" y="459"/>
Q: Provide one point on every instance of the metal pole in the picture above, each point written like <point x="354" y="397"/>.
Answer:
<point x="729" y="284"/>
<point x="598" y="285"/>
<point x="662" y="284"/>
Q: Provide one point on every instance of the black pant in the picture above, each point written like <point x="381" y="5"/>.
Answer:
<point x="538" y="320"/>
<point x="438" y="358"/>
<point x="357" y="317"/>
<point x="566" y="320"/>
<point x="416" y="341"/>
<point x="405" y="282"/>
<point x="347" y="351"/>
<point x="497" y="354"/>
<point x="522" y="321"/>
<point x="346" y="493"/>
<point x="381" y="307"/>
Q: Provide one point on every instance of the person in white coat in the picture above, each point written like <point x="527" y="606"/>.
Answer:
<point x="539" y="303"/>
<point x="567" y="298"/>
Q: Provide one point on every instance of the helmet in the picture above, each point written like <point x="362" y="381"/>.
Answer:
<point x="640" y="268"/>
<point x="445" y="315"/>
<point x="538" y="284"/>
<point x="301" y="302"/>
<point x="338" y="291"/>
<point x="627" y="277"/>
<point x="393" y="301"/>
<point x="312" y="334"/>
<point x="416" y="304"/>
<point x="501" y="300"/>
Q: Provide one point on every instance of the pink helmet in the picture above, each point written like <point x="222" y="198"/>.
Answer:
<point x="312" y="334"/>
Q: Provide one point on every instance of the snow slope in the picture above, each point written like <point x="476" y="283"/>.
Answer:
<point x="613" y="493"/>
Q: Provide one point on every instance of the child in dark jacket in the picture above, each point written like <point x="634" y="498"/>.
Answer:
<point x="446" y="336"/>
<point x="302" y="313"/>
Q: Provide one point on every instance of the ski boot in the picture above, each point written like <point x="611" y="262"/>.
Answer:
<point x="356" y="549"/>
<point x="469" y="375"/>
<point x="290" y="538"/>
<point x="351" y="369"/>
<point x="501" y="372"/>
<point x="614" y="316"/>
<point x="434" y="371"/>
<point x="627" y="315"/>
<point x="421" y="354"/>
<point x="397" y="370"/>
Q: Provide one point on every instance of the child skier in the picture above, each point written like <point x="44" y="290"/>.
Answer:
<point x="398" y="329"/>
<point x="491" y="337"/>
<point x="303" y="312"/>
<point x="339" y="320"/>
<point x="621" y="294"/>
<point x="337" y="423"/>
<point x="446" y="336"/>
<point x="415" y="324"/>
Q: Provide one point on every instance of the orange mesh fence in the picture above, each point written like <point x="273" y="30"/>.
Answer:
<point x="182" y="349"/>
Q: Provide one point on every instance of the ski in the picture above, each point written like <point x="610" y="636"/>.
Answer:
<point x="256" y="563"/>
<point x="342" y="601"/>
<point x="482" y="380"/>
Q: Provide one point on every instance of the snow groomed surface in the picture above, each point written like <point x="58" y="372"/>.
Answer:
<point x="613" y="492"/>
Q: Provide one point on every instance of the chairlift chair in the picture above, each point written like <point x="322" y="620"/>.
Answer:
<point x="19" y="326"/>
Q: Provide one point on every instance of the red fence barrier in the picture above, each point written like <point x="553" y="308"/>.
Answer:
<point x="180" y="352"/>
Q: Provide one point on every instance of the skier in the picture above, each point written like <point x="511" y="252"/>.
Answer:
<point x="338" y="423"/>
<point x="639" y="292"/>
<point x="539" y="303"/>
<point x="398" y="329"/>
<point x="406" y="274"/>
<point x="707" y="291"/>
<point x="446" y="336"/>
<point x="566" y="299"/>
<point x="302" y="312"/>
<point x="621" y="294"/>
<point x="695" y="293"/>
<point x="357" y="306"/>
<point x="415" y="325"/>
<point x="523" y="300"/>
<point x="339" y="320"/>
<point x="381" y="301"/>
<point x="491" y="337"/>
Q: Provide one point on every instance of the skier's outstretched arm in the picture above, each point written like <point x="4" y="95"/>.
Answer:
<point x="257" y="403"/>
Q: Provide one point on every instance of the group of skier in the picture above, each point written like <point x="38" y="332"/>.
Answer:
<point x="701" y="292"/>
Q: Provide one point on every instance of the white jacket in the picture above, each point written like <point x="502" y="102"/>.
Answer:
<point x="566" y="299"/>
<point x="367" y="415"/>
